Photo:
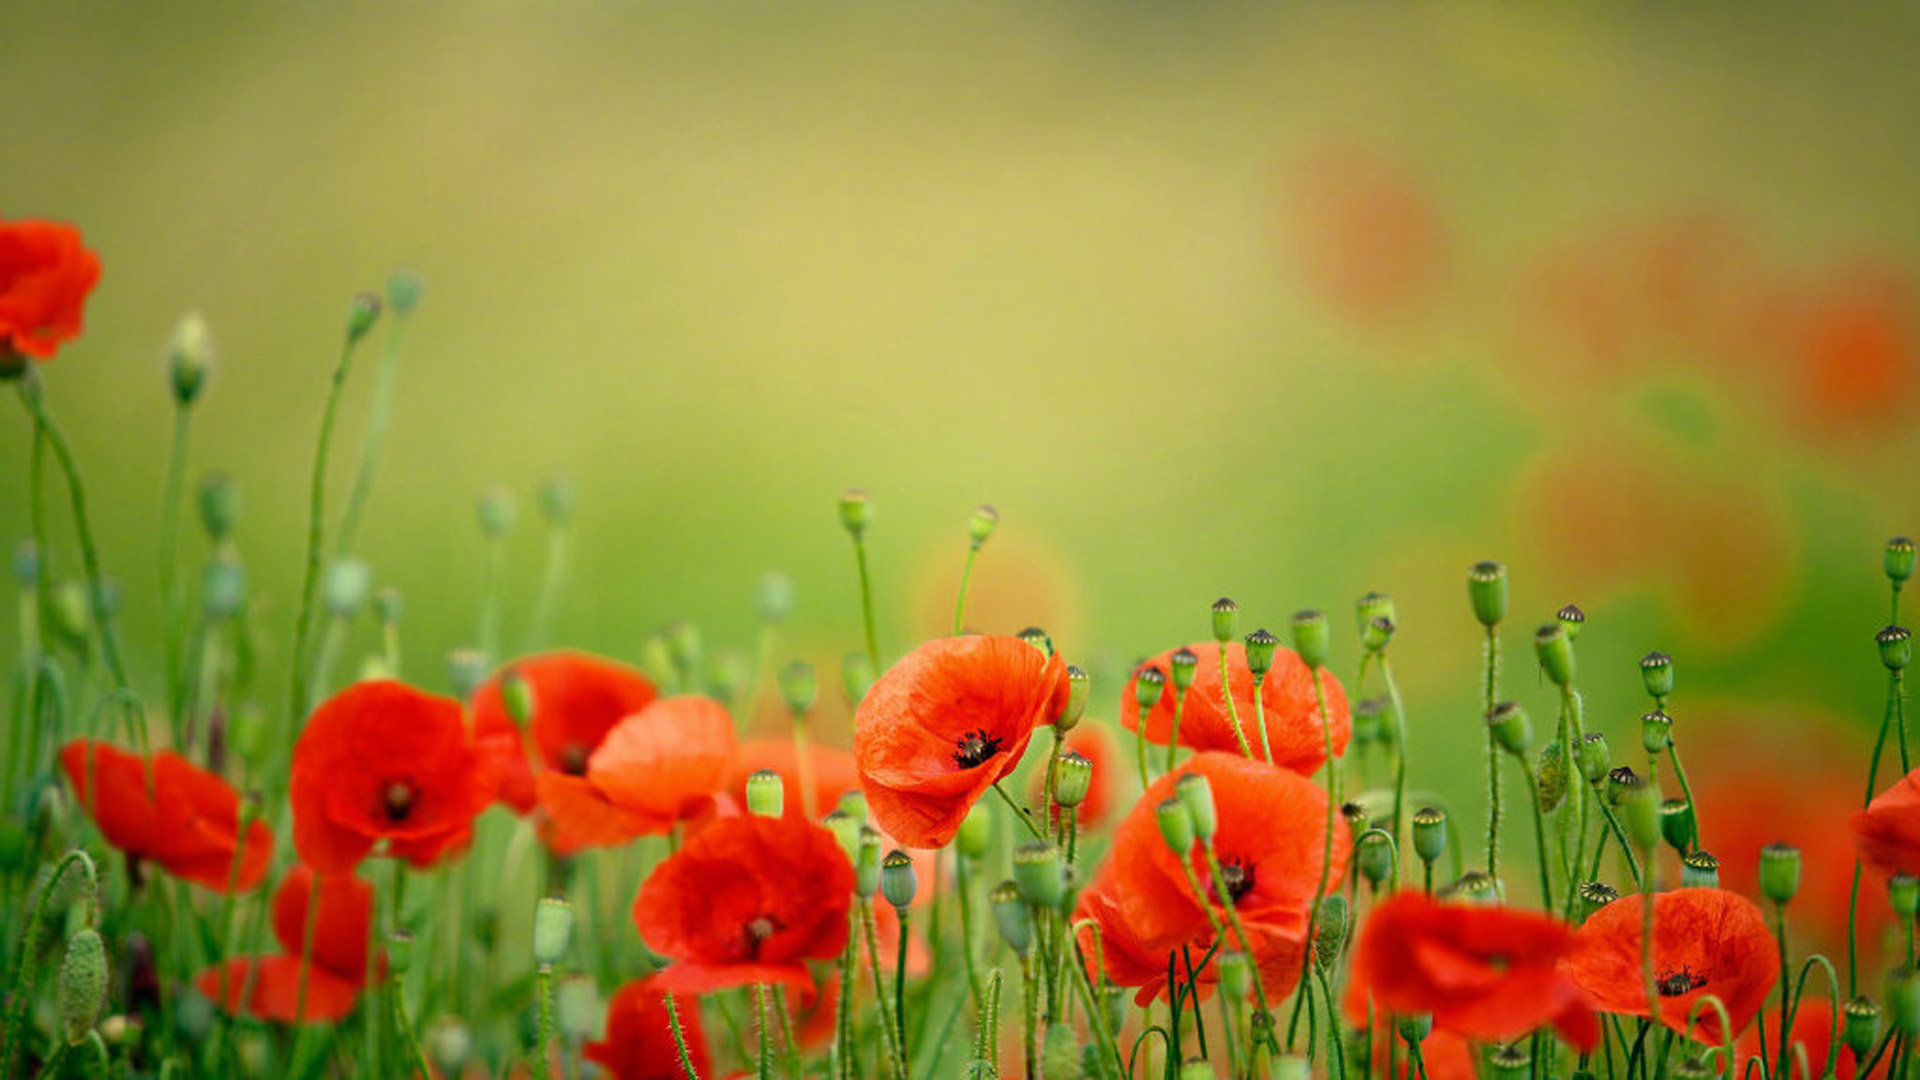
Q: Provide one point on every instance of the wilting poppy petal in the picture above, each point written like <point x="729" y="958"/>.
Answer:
<point x="577" y="698"/>
<point x="45" y="276"/>
<point x="1292" y="712"/>
<point x="188" y="824"/>
<point x="1705" y="941"/>
<point x="639" y="1043"/>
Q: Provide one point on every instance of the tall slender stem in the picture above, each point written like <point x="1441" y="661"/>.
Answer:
<point x="866" y="600"/>
<point x="316" y="528"/>
<point x="966" y="578"/>
<point x="1489" y="700"/>
<point x="379" y="419"/>
<point x="172" y="616"/>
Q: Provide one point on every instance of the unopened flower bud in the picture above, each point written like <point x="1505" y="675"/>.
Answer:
<point x="1312" y="638"/>
<point x="1185" y="664"/>
<point x="1677" y="824"/>
<point x="1011" y="915"/>
<point x="83" y="984"/>
<point x="400" y="950"/>
<point x="1040" y="874"/>
<point x="1699" y="870"/>
<point x="1572" y="620"/>
<point x="361" y="315"/>
<point x="846" y="832"/>
<point x="981" y="525"/>
<point x="1072" y="779"/>
<point x="1896" y="647"/>
<point x="1060" y="1053"/>
<point x="1595" y="756"/>
<point x="1377" y="633"/>
<point x="866" y="867"/>
<point x="1595" y="895"/>
<point x="1196" y="794"/>
<point x="1550" y="776"/>
<point x="773" y="597"/>
<point x="1903" y="895"/>
<point x="1640" y="815"/>
<point x="1487" y="589"/>
<point x="1430" y="834"/>
<point x="466" y="670"/>
<point x="346" y="587"/>
<point x="766" y="794"/>
<point x="798" y="687"/>
<point x="1078" y="688"/>
<point x="1148" y="685"/>
<point x="1176" y="824"/>
<point x="1511" y="728"/>
<point x="1861" y="1026"/>
<point x="496" y="510"/>
<point x="552" y="926"/>
<point x="189" y="358"/>
<point x="1656" y="731"/>
<point x="403" y="291"/>
<point x="1555" y="650"/>
<point x="1899" y="561"/>
<point x="898" y="882"/>
<point x="1330" y="929"/>
<point x="1656" y="670"/>
<point x="856" y="677"/>
<point x="856" y="511"/>
<point x="1374" y="856"/>
<point x="1903" y="1000"/>
<point x="516" y="693"/>
<point x="1779" y="872"/>
<point x="975" y="832"/>
<point x="557" y="500"/>
<point x="1371" y="606"/>
<point x="219" y="506"/>
<point x="223" y="588"/>
<point x="1226" y="620"/>
<point x="1260" y="646"/>
<point x="1038" y="638"/>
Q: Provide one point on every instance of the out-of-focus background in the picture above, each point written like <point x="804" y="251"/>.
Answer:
<point x="1276" y="302"/>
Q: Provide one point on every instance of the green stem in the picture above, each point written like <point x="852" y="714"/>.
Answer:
<point x="1240" y="933"/>
<point x="966" y="578"/>
<point x="1233" y="711"/>
<point x="1019" y="812"/>
<point x="1305" y="991"/>
<point x="900" y="981"/>
<point x="1539" y="834"/>
<point x="553" y="578"/>
<point x="316" y="525"/>
<point x="379" y="418"/>
<point x="1260" y="715"/>
<point x="1173" y="736"/>
<point x="543" y="1067"/>
<point x="25" y="970"/>
<point x="489" y="633"/>
<point x="1140" y="746"/>
<point x="680" y="1037"/>
<point x="1490" y="699"/>
<point x="866" y="600"/>
<point x="889" y="1030"/>
<point x="172" y="616"/>
<point x="403" y="1019"/>
<point x="964" y="885"/>
<point x="1399" y="752"/>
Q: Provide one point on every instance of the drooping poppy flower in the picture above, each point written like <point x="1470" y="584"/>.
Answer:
<point x="944" y="724"/>
<point x="639" y="1041"/>
<point x="747" y="900"/>
<point x="177" y="815"/>
<point x="829" y="770"/>
<point x="1813" y="1029"/>
<point x="1705" y="941"/>
<point x="655" y="767"/>
<point x="1485" y="972"/>
<point x="381" y="761"/>
<point x="1128" y="961"/>
<point x="577" y="699"/>
<point x="1887" y="832"/>
<point x="1271" y="845"/>
<point x="45" y="276"/>
<point x="269" y="986"/>
<point x="1294" y="731"/>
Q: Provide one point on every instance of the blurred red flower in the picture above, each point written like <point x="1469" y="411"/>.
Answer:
<point x="1366" y="235"/>
<point x="269" y="986"/>
<point x="576" y="698"/>
<point x="829" y="771"/>
<point x="655" y="767"/>
<point x="178" y="815"/>
<point x="1485" y="972"/>
<point x="944" y="724"/>
<point x="1705" y="941"/>
<point x="747" y="900"/>
<point x="1292" y="715"/>
<point x="381" y="761"/>
<point x="45" y="276"/>
<point x="639" y="1041"/>
<point x="1887" y="832"/>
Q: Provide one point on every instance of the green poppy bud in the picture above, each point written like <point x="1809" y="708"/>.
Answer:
<point x="223" y="588"/>
<point x="403" y="291"/>
<point x="1191" y="1069"/>
<point x="1226" y="620"/>
<point x="1330" y="929"/>
<point x="1595" y="895"/>
<point x="1640" y="815"/>
<point x="898" y="882"/>
<point x="466" y="670"/>
<point x="1473" y="887"/>
<point x="1511" y="728"/>
<point x="1779" y="872"/>
<point x="1656" y="731"/>
<point x="1176" y="825"/>
<point x="1072" y="779"/>
<point x="1656" y="670"/>
<point x="189" y="358"/>
<point x="1260" y="646"/>
<point x="516" y="693"/>
<point x="1078" y="687"/>
<point x="846" y="832"/>
<point x="866" y="866"/>
<point x="1196" y="793"/>
<point x="346" y="587"/>
<point x="1185" y="663"/>
<point x="1012" y="916"/>
<point x="856" y="512"/>
<point x="1148" y="685"/>
<point x="854" y="804"/>
<point x="1487" y="589"/>
<point x="1860" y="1028"/>
<point x="975" y="832"/>
<point x="981" y="525"/>
<point x="1550" y="776"/>
<point x="361" y="315"/>
<point x="72" y="615"/>
<point x="557" y="500"/>
<point x="1555" y="650"/>
<point x="1038" y="638"/>
<point x="1572" y="620"/>
<point x="1415" y="1028"/>
<point x="1699" y="870"/>
<point x="766" y="794"/>
<point x="773" y="597"/>
<point x="496" y="510"/>
<point x="1903" y="894"/>
<point x="1430" y="834"/>
<point x="400" y="949"/>
<point x="856" y="677"/>
<point x="1374" y="856"/>
<point x="83" y="984"/>
<point x="1903" y="1000"/>
<point x="1509" y="1062"/>
<point x="1377" y="633"/>
<point x="552" y="926"/>
<point x="219" y="506"/>
<point x="1040" y="874"/>
<point x="798" y="687"/>
<point x="1678" y="825"/>
<point x="1595" y="756"/>
<point x="1236" y="975"/>
<point x="1899" y="562"/>
<point x="1060" y="1053"/>
<point x="1896" y="647"/>
<point x="1312" y="638"/>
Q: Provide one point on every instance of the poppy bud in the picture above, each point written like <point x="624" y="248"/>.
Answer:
<point x="1474" y="886"/>
<point x="976" y="829"/>
<point x="1656" y="731"/>
<point x="516" y="693"/>
<point x="1374" y="856"/>
<point x="981" y="525"/>
<point x="450" y="1042"/>
<point x="1430" y="834"/>
<point x="1555" y="650"/>
<point x="1312" y="637"/>
<point x="1060" y="1053"/>
<point x="1377" y="634"/>
<point x="856" y="511"/>
<point x="552" y="926"/>
<point x="1330" y="929"/>
<point x="361" y="315"/>
<point x="1185" y="664"/>
<point x="557" y="499"/>
<point x="219" y="506"/>
<point x="1896" y="647"/>
<point x="1260" y="646"/>
<point x="1903" y="895"/>
<point x="403" y="291"/>
<point x="466" y="670"/>
<point x="1072" y="779"/>
<point x="83" y="984"/>
<point x="766" y="794"/>
<point x="856" y="676"/>
<point x="1036" y="637"/>
<point x="1078" y="687"/>
<point x="898" y="882"/>
<point x="1011" y="915"/>
<point x="773" y="597"/>
<point x="496" y="510"/>
<point x="1415" y="1028"/>
<point x="1595" y="756"/>
<point x="854" y="803"/>
<point x="1656" y="670"/>
<point x="71" y="618"/>
<point x="223" y="588"/>
<point x="400" y="948"/>
<point x="727" y="675"/>
<point x="1861" y="1026"/>
<point x="1040" y="875"/>
<point x="1572" y="620"/>
<point x="26" y="564"/>
<point x="1371" y="606"/>
<point x="1903" y="1000"/>
<point x="1366" y="721"/>
<point x="1509" y="1062"/>
<point x="1226" y="620"/>
<point x="1235" y="971"/>
<point x="345" y="588"/>
<point x="1487" y="589"/>
<point x="866" y="867"/>
<point x="1147" y="688"/>
<point x="1640" y="814"/>
<point x="1511" y="728"/>
<point x="189" y="357"/>
<point x="798" y="687"/>
<point x="1595" y="895"/>
<point x="1176" y="825"/>
<point x="1900" y="555"/>
<point x="1550" y="776"/>
<point x="1699" y="870"/>
<point x="1677" y="824"/>
<point x="1779" y="872"/>
<point x="1196" y="793"/>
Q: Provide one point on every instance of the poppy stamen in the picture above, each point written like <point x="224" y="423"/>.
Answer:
<point x="759" y="930"/>
<point x="396" y="802"/>
<point x="1677" y="982"/>
<point x="974" y="748"/>
<point x="573" y="758"/>
<point x="1238" y="878"/>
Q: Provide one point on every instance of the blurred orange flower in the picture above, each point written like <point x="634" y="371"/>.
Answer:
<point x="180" y="816"/>
<point x="45" y="276"/>
<point x="269" y="986"/>
<point x="1294" y="732"/>
<point x="655" y="767"/>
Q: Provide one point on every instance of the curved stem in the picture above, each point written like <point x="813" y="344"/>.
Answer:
<point x="966" y="578"/>
<point x="680" y="1037"/>
<point x="316" y="525"/>
<point x="25" y="970"/>
<point x="379" y="418"/>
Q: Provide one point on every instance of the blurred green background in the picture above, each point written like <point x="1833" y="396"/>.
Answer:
<point x="1281" y="302"/>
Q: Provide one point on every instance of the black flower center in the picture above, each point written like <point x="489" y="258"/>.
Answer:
<point x="974" y="748"/>
<point x="397" y="800"/>
<point x="1238" y="878"/>
<point x="1678" y="981"/>
<point x="758" y="930"/>
<point x="573" y="759"/>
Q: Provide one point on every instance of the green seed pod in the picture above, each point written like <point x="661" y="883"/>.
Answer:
<point x="1312" y="638"/>
<point x="83" y="984"/>
<point x="1595" y="757"/>
<point x="557" y="500"/>
<point x="496" y="510"/>
<point x="1640" y="815"/>
<point x="1509" y="1062"/>
<point x="1011" y="915"/>
<point x="189" y="358"/>
<point x="552" y="926"/>
<point x="975" y="832"/>
<point x="856" y="677"/>
<point x="1226" y="620"/>
<point x="1487" y="589"/>
<point x="1903" y="1000"/>
<point x="1896" y="647"/>
<point x="361" y="315"/>
<point x="799" y="687"/>
<point x="1656" y="731"/>
<point x="1040" y="874"/>
<point x="1038" y="638"/>
<point x="1196" y="793"/>
<point x="1072" y="779"/>
<point x="1192" y="1069"/>
<point x="1656" y="670"/>
<point x="1595" y="895"/>
<point x="1060" y="1053"/>
<point x="1555" y="650"/>
<point x="773" y="597"/>
<point x="1377" y="634"/>
<point x="219" y="506"/>
<point x="1236" y="975"/>
<point x="1176" y="825"/>
<point x="1368" y="721"/>
<point x="1620" y="781"/>
<point x="1415" y="1028"/>
<point x="866" y="867"/>
<point x="766" y="794"/>
<point x="981" y="525"/>
<point x="223" y="588"/>
<point x="1511" y="728"/>
<point x="345" y="589"/>
<point x="1903" y="894"/>
<point x="1260" y="646"/>
<point x="1699" y="870"/>
<point x="1185" y="664"/>
<point x="854" y="802"/>
<point x="846" y="832"/>
<point x="466" y="670"/>
<point x="1572" y="620"/>
<point x="1371" y="606"/>
<point x="516" y="693"/>
<point x="1430" y="834"/>
<point x="1148" y="685"/>
<point x="1678" y="826"/>
<point x="1374" y="857"/>
<point x="1779" y="872"/>
<point x="898" y="882"/>
<point x="1899" y="559"/>
<point x="856" y="512"/>
<point x="1078" y="687"/>
<point x="1861" y="1027"/>
<point x="403" y="291"/>
<point x="400" y="949"/>
<point x="1474" y="886"/>
<point x="1550" y="775"/>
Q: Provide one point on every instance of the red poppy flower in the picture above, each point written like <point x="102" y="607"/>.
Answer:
<point x="45" y="276"/>
<point x="655" y="767"/>
<point x="269" y="986"/>
<point x="1486" y="972"/>
<point x="187" y="821"/>
<point x="639" y="1042"/>
<point x="829" y="770"/>
<point x="1887" y="832"/>
<point x="1292" y="715"/>
<point x="1443" y="1055"/>
<point x="1705" y="941"/>
<point x="381" y="761"/>
<point x="1271" y="844"/>
<point x="1812" y="1028"/>
<point x="747" y="900"/>
<point x="577" y="699"/>
<point x="944" y="724"/>
<point x="1128" y="961"/>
